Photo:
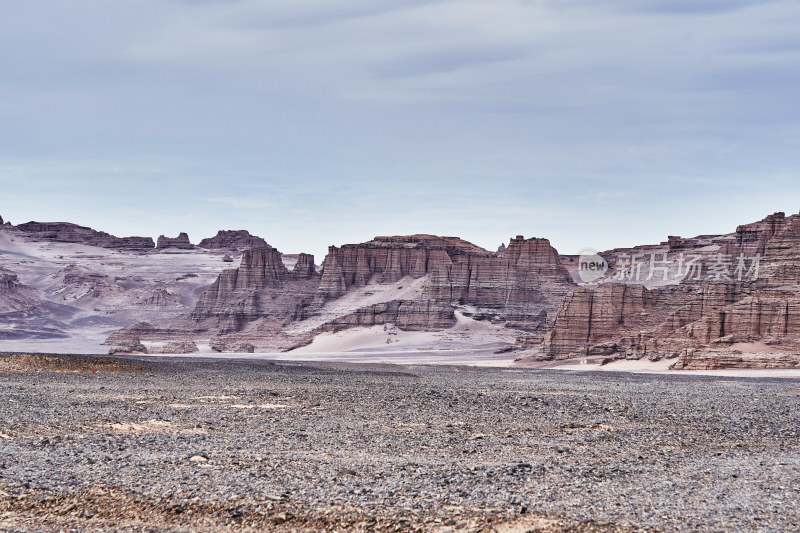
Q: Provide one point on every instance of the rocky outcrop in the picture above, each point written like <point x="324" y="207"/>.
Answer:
<point x="522" y="285"/>
<point x="696" y="314"/>
<point x="752" y="239"/>
<point x="417" y="282"/>
<point x="406" y="315"/>
<point x="389" y="259"/>
<point x="72" y="233"/>
<point x="780" y="266"/>
<point x="261" y="288"/>
<point x="181" y="242"/>
<point x="15" y="296"/>
<point x="233" y="240"/>
<point x="131" y="334"/>
<point x="134" y="348"/>
<point x="226" y="346"/>
<point x="726" y="360"/>
<point x="178" y="347"/>
<point x="304" y="268"/>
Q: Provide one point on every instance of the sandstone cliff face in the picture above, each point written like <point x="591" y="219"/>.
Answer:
<point x="14" y="296"/>
<point x="181" y="242"/>
<point x="304" y="268"/>
<point x="416" y="282"/>
<point x="731" y="359"/>
<point x="389" y="259"/>
<point x="781" y="264"/>
<point x="235" y="240"/>
<point x="261" y="288"/>
<point x="752" y="239"/>
<point x="521" y="285"/>
<point x="72" y="233"/>
<point x="256" y="302"/>
<point x="407" y="315"/>
<point x="634" y="321"/>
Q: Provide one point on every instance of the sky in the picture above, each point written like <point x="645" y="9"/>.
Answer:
<point x="594" y="123"/>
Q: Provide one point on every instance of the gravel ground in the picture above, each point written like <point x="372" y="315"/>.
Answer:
<point x="205" y="445"/>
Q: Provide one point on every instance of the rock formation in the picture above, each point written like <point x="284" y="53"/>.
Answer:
<point x="733" y="359"/>
<point x="304" y="268"/>
<point x="389" y="259"/>
<point x="236" y="240"/>
<point x="521" y="286"/>
<point x="695" y="315"/>
<point x="14" y="296"/>
<point x="178" y="347"/>
<point x="134" y="348"/>
<point x="424" y="283"/>
<point x="72" y="233"/>
<point x="181" y="242"/>
<point x="261" y="288"/>
<point x="418" y="315"/>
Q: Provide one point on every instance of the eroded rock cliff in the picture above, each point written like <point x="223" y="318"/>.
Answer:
<point x="181" y="242"/>
<point x="73" y="233"/>
<point x="233" y="240"/>
<point x="698" y="312"/>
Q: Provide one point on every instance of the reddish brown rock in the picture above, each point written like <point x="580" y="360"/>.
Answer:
<point x="181" y="242"/>
<point x="726" y="360"/>
<point x="696" y="314"/>
<point x="261" y="288"/>
<point x="522" y="285"/>
<point x="752" y="239"/>
<point x="234" y="240"/>
<point x="406" y="315"/>
<point x="133" y="348"/>
<point x="15" y="296"/>
<point x="389" y="259"/>
<point x="178" y="347"/>
<point x="66" y="232"/>
<point x="304" y="268"/>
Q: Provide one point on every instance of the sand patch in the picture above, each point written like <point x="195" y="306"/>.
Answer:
<point x="223" y="397"/>
<point x="139" y="427"/>
<point x="527" y="524"/>
<point x="154" y="426"/>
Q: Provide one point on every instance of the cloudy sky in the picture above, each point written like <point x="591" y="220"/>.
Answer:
<point x="591" y="122"/>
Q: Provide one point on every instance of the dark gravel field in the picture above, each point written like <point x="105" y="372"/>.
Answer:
<point x="115" y="444"/>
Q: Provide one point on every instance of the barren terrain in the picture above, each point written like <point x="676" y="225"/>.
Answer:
<point x="133" y="444"/>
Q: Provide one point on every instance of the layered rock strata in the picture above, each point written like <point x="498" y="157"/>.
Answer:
<point x="696" y="314"/>
<point x="72" y="233"/>
<point x="521" y="285"/>
<point x="181" y="242"/>
<point x="233" y="240"/>
<point x="261" y="288"/>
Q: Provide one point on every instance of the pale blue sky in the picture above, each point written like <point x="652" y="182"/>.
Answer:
<point x="592" y="123"/>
